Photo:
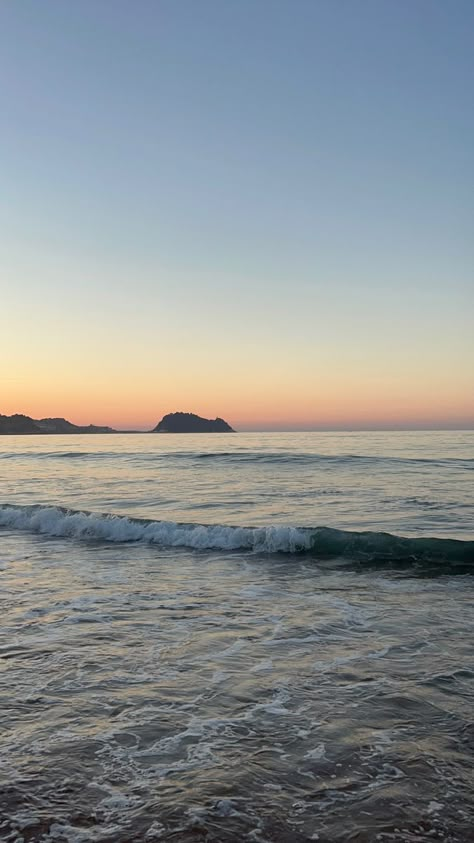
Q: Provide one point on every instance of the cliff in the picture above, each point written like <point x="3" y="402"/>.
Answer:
<point x="19" y="424"/>
<point x="190" y="423"/>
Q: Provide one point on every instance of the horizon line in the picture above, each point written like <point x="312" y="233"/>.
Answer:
<point x="268" y="427"/>
<point x="327" y="429"/>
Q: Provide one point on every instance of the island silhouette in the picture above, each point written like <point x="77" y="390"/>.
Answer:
<point x="19" y="424"/>
<point x="190" y="423"/>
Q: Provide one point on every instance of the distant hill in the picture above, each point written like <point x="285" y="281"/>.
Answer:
<point x="172" y="423"/>
<point x="190" y="423"/>
<point x="18" y="424"/>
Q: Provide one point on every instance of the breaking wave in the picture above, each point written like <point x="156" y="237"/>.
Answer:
<point x="58" y="521"/>
<point x="366" y="548"/>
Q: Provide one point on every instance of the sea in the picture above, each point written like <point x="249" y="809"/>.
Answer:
<point x="261" y="637"/>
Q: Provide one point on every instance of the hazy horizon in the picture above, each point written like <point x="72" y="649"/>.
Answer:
<point x="266" y="427"/>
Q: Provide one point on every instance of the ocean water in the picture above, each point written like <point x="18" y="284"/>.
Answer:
<point x="237" y="637"/>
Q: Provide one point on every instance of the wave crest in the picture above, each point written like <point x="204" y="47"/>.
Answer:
<point x="366" y="548"/>
<point x="61" y="522"/>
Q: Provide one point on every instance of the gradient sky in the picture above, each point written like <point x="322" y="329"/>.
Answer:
<point x="249" y="208"/>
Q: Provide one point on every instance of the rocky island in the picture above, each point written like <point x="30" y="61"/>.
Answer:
<point x="190" y="423"/>
<point x="20" y="424"/>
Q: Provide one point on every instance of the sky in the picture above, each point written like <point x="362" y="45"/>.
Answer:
<point x="257" y="209"/>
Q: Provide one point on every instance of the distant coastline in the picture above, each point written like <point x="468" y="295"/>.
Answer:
<point x="21" y="425"/>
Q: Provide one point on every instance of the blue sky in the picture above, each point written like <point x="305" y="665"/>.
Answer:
<point x="225" y="203"/>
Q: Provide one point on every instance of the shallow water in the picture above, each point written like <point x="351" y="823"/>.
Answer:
<point x="163" y="693"/>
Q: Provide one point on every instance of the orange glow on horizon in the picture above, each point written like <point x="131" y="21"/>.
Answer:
<point x="131" y="393"/>
<point x="255" y="414"/>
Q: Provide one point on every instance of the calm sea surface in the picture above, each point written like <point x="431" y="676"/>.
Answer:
<point x="196" y="647"/>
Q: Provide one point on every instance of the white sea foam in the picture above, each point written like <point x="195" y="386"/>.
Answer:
<point x="317" y="753"/>
<point x="55" y="521"/>
<point x="325" y="542"/>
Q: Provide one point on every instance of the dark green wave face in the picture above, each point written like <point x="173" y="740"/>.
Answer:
<point x="362" y="549"/>
<point x="371" y="548"/>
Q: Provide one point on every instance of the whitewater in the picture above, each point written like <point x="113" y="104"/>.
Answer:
<point x="232" y="637"/>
